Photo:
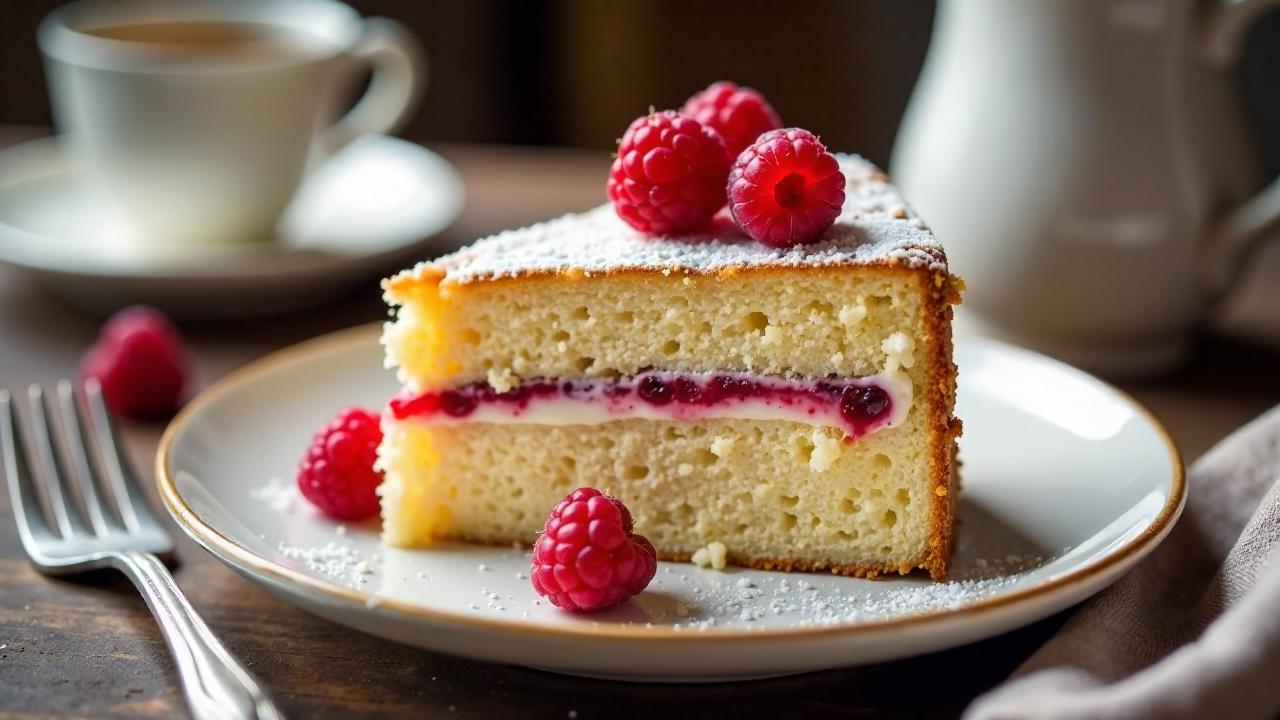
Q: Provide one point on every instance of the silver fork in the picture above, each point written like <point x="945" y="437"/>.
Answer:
<point x="97" y="518"/>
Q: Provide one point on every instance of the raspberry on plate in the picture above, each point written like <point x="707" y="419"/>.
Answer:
<point x="337" y="473"/>
<point x="739" y="114"/>
<point x="587" y="557"/>
<point x="669" y="174"/>
<point x="139" y="363"/>
<point x="786" y="189"/>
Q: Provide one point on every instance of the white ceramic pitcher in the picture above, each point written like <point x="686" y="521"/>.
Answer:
<point x="1084" y="163"/>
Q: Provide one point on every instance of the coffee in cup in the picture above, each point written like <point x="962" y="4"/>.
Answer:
<point x="195" y="122"/>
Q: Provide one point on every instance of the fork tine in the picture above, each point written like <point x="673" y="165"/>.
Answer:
<point x="73" y="447"/>
<point x="32" y="525"/>
<point x="129" y="499"/>
<point x="48" y="466"/>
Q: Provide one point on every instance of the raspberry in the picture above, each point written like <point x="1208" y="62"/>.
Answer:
<point x="139" y="362"/>
<point x="739" y="114"/>
<point x="669" y="174"/>
<point x="337" y="473"/>
<point x="587" y="557"/>
<point x="786" y="188"/>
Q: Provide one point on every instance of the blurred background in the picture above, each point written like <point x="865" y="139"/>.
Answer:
<point x="522" y="91"/>
<point x="1061" y="104"/>
<point x="576" y="72"/>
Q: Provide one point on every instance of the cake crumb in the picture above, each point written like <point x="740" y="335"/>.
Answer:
<point x="899" y="350"/>
<point x="825" y="450"/>
<point x="851" y="315"/>
<point x="363" y="568"/>
<point x="772" y="335"/>
<point x="713" y="555"/>
<point x="502" y="380"/>
<point x="722" y="446"/>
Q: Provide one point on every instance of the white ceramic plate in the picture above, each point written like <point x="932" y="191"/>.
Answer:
<point x="374" y="205"/>
<point x="1067" y="484"/>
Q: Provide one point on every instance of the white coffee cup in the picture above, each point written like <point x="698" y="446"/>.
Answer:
<point x="195" y="122"/>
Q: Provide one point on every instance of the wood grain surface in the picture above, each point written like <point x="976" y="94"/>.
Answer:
<point x="88" y="647"/>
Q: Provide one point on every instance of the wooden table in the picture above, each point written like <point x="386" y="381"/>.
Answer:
<point x="90" y="648"/>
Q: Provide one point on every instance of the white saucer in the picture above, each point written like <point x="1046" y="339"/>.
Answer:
<point x="370" y="207"/>
<point x="1067" y="484"/>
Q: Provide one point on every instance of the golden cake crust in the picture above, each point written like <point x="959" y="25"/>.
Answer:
<point x="943" y="427"/>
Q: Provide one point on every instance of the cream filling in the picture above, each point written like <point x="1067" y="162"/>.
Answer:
<point x="597" y="406"/>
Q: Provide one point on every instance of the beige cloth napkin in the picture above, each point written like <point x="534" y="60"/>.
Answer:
<point x="1194" y="630"/>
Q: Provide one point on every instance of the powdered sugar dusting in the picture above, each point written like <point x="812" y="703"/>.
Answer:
<point x="332" y="560"/>
<point x="681" y="597"/>
<point x="278" y="494"/>
<point x="876" y="227"/>
<point x="803" y="603"/>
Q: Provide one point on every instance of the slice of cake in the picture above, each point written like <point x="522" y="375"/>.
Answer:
<point x="793" y="404"/>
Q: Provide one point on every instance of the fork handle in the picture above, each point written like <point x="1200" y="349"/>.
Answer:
<point x="216" y="686"/>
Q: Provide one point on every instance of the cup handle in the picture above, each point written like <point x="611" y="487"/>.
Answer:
<point x="400" y="68"/>
<point x="1241" y="229"/>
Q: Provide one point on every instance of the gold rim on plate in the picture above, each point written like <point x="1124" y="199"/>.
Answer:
<point x="240" y="557"/>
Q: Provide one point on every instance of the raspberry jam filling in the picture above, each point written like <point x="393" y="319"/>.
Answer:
<point x="856" y="405"/>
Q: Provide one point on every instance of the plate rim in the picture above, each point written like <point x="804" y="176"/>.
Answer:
<point x="244" y="560"/>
